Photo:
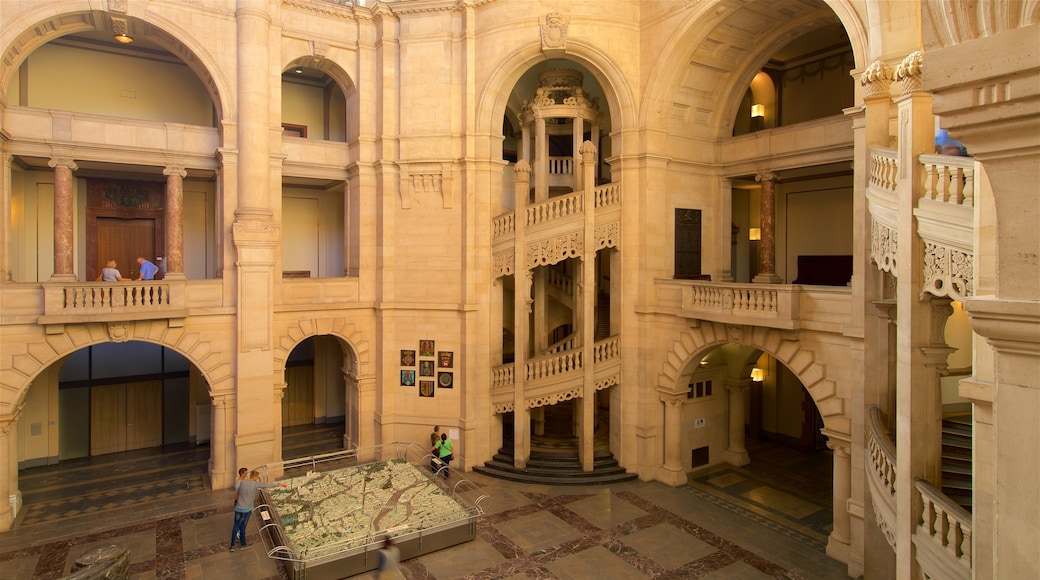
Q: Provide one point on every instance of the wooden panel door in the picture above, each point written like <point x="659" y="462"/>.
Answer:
<point x="123" y="240"/>
<point x="144" y="415"/>
<point x="687" y="243"/>
<point x="298" y="402"/>
<point x="107" y="419"/>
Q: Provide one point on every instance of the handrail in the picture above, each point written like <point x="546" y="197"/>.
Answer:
<point x="107" y="297"/>
<point x="884" y="168"/>
<point x="555" y="208"/>
<point x="882" y="451"/>
<point x="943" y="535"/>
<point x="948" y="178"/>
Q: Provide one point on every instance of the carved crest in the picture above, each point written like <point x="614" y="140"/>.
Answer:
<point x="554" y="32"/>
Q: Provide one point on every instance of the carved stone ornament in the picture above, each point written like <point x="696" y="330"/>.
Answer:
<point x="554" y="398"/>
<point x="119" y="6"/>
<point x="883" y="245"/>
<point x="876" y="79"/>
<point x="554" y="32"/>
<point x="608" y="236"/>
<point x="735" y="333"/>
<point x="948" y="272"/>
<point x="555" y="250"/>
<point x="504" y="408"/>
<point x="910" y="72"/>
<point x="503" y="263"/>
<point x="119" y="331"/>
<point x="319" y="48"/>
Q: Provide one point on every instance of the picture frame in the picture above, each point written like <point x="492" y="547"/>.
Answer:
<point x="407" y="378"/>
<point x="426" y="368"/>
<point x="426" y="348"/>
<point x="426" y="388"/>
<point x="445" y="359"/>
<point x="408" y="358"/>
<point x="445" y="380"/>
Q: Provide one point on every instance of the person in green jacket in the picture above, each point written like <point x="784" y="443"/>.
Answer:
<point x="443" y="449"/>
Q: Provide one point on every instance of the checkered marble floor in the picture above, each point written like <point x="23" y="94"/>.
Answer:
<point x="727" y="523"/>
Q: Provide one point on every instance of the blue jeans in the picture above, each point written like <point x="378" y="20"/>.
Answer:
<point x="241" y="519"/>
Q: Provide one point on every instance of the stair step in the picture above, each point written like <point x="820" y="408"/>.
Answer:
<point x="583" y="478"/>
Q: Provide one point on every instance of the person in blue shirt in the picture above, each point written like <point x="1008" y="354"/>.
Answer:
<point x="148" y="269"/>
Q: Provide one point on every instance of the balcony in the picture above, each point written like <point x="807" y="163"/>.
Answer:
<point x="557" y="375"/>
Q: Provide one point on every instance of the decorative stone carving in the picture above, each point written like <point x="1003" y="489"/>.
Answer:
<point x="424" y="181"/>
<point x="119" y="6"/>
<point x="503" y="408"/>
<point x="554" y="398"/>
<point x="883" y="245"/>
<point x="876" y="79"/>
<point x="607" y="383"/>
<point x="555" y="250"/>
<point x="735" y="333"/>
<point x="119" y="331"/>
<point x="910" y="72"/>
<point x="608" y="236"/>
<point x="890" y="536"/>
<point x="503" y="263"/>
<point x="553" y="32"/>
<point x="319" y="48"/>
<point x="948" y="272"/>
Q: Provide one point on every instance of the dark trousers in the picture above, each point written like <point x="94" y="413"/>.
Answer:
<point x="241" y="519"/>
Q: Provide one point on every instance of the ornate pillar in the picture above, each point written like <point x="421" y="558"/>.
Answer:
<point x="541" y="158"/>
<point x="917" y="398"/>
<point x="588" y="309"/>
<point x="578" y="130"/>
<point x="736" y="449"/>
<point x="672" y="471"/>
<point x="521" y="314"/>
<point x="838" y="541"/>
<point x="174" y="213"/>
<point x="767" y="246"/>
<point x="64" y="232"/>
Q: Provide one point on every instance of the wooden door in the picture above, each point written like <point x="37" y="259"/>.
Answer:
<point x="144" y="415"/>
<point x="687" y="244"/>
<point x="298" y="402"/>
<point x="123" y="240"/>
<point x="107" y="419"/>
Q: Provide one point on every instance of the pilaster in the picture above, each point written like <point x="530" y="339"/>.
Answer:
<point x="672" y="472"/>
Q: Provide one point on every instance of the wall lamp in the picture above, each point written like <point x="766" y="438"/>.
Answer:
<point x="754" y="234"/>
<point x="758" y="111"/>
<point x="758" y="375"/>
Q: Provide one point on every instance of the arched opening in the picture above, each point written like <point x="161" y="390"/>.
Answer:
<point x="319" y="404"/>
<point x="126" y="420"/>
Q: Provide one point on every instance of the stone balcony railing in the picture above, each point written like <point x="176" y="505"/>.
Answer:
<point x="111" y="301"/>
<point x="564" y="211"/>
<point x="945" y="217"/>
<point x="555" y="376"/>
<point x="943" y="534"/>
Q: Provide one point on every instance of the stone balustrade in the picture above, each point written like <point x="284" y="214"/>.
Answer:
<point x="881" y="473"/>
<point x="555" y="208"/>
<point x="943" y="535"/>
<point x="949" y="179"/>
<point x="554" y="373"/>
<point x="109" y="301"/>
<point x="884" y="169"/>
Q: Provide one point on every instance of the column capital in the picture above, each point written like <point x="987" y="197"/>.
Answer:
<point x="672" y="399"/>
<point x="910" y="73"/>
<point x="588" y="152"/>
<point x="175" y="170"/>
<point x="877" y="79"/>
<point x="766" y="176"/>
<point x="68" y="162"/>
<point x="840" y="449"/>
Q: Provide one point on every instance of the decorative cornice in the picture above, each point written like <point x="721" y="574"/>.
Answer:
<point x="1009" y="326"/>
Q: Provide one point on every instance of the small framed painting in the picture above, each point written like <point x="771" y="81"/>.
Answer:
<point x="426" y="368"/>
<point x="408" y="358"/>
<point x="425" y="388"/>
<point x="407" y="378"/>
<point x="445" y="358"/>
<point x="446" y="380"/>
<point x="425" y="348"/>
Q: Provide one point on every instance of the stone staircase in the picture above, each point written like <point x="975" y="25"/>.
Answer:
<point x="556" y="468"/>
<point x="956" y="459"/>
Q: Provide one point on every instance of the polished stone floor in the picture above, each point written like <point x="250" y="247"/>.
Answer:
<point x="767" y="520"/>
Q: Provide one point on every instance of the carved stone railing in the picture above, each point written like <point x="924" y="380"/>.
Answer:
<point x="556" y="374"/>
<point x="881" y="474"/>
<point x="561" y="166"/>
<point x="108" y="301"/>
<point x="555" y="208"/>
<point x="946" y="224"/>
<point x="608" y="195"/>
<point x="503" y="225"/>
<point x="884" y="169"/>
<point x="943" y="535"/>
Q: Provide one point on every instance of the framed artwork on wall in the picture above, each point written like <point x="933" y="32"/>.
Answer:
<point x="446" y="358"/>
<point x="426" y="388"/>
<point x="408" y="358"/>
<point x="408" y="378"/>
<point x="446" y="380"/>
<point x="426" y="368"/>
<point x="425" y="348"/>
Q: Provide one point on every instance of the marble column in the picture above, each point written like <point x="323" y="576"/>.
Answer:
<point x="767" y="245"/>
<point x="672" y="471"/>
<point x="736" y="449"/>
<point x="541" y="159"/>
<point x="838" y="541"/>
<point x="174" y="213"/>
<point x="64" y="230"/>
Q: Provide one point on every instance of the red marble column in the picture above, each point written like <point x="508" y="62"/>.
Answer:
<point x="767" y="246"/>
<point x="174" y="212"/>
<point x="64" y="238"/>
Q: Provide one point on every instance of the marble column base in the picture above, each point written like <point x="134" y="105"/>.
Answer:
<point x="768" y="279"/>
<point x="838" y="548"/>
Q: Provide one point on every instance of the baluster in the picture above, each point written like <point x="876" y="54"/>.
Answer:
<point x="969" y="186"/>
<point x="966" y="544"/>
<point x="929" y="180"/>
<point x="952" y="538"/>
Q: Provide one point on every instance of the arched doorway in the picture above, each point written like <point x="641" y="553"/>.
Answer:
<point x="316" y="400"/>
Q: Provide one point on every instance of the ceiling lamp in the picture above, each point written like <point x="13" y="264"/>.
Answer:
<point x="299" y="70"/>
<point x="121" y="31"/>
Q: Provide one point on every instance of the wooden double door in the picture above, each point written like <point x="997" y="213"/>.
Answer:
<point x="123" y="240"/>
<point x="124" y="417"/>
